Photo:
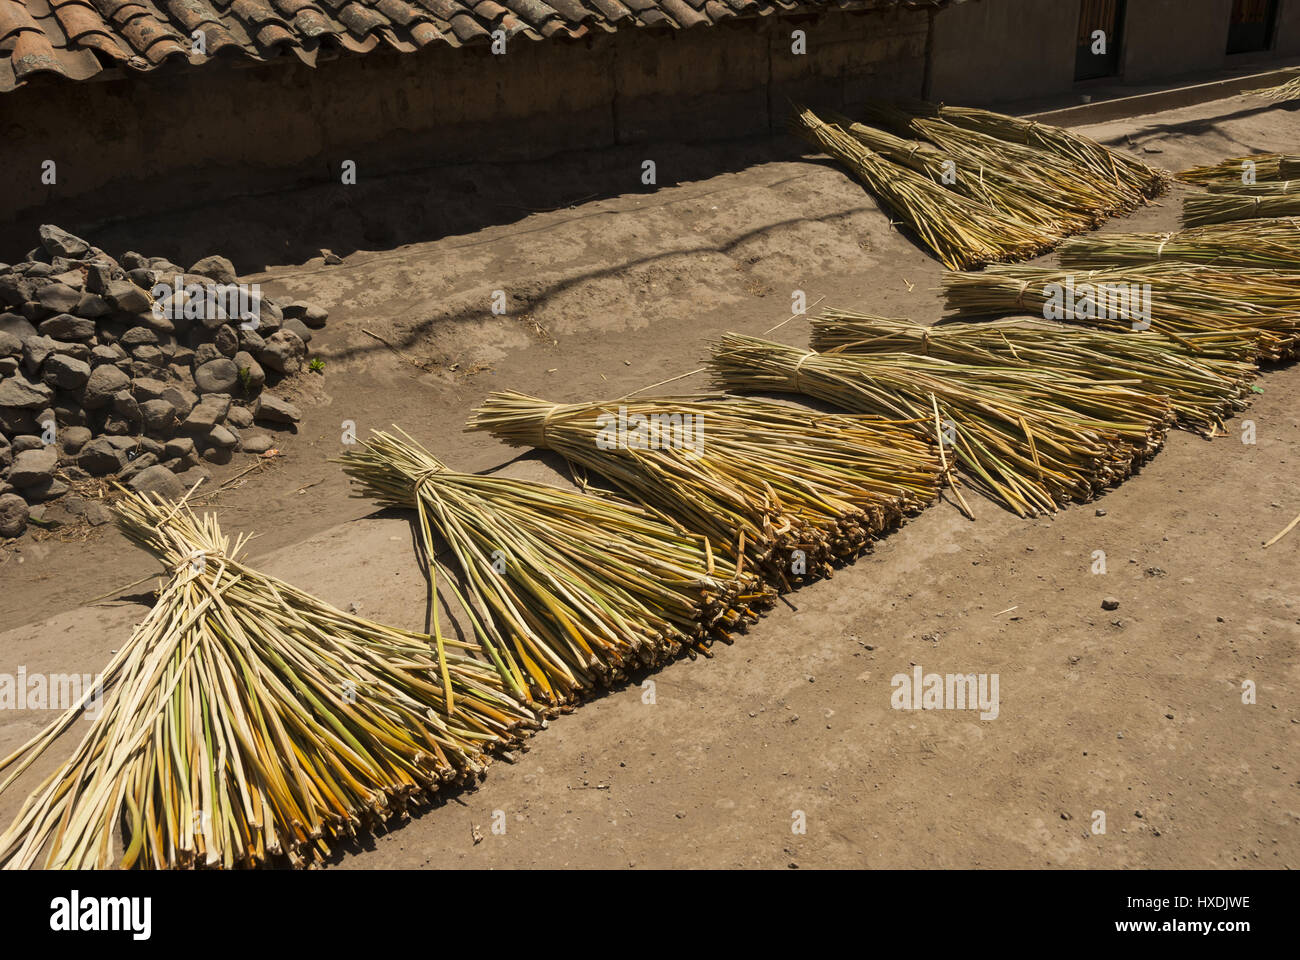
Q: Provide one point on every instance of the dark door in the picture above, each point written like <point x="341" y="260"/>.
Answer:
<point x="1107" y="16"/>
<point x="1251" y="27"/>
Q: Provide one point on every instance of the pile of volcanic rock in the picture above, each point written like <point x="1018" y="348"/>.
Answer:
<point x="95" y="383"/>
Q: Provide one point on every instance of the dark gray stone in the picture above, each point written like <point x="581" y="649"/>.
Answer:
<point x="216" y="268"/>
<point x="220" y="436"/>
<point x="72" y="278"/>
<point x="271" y="409"/>
<point x="257" y="440"/>
<point x="159" y="416"/>
<point x="13" y="515"/>
<point x="16" y="420"/>
<point x="115" y="426"/>
<point x="93" y="305"/>
<point x="251" y="341"/>
<point x="127" y="297"/>
<point x="65" y="326"/>
<point x="16" y="325"/>
<point x="35" y="350"/>
<point x="183" y="450"/>
<point x="33" y="466"/>
<point x="68" y="413"/>
<point x="141" y="462"/>
<point x="72" y="439"/>
<point x="50" y="488"/>
<point x="204" y="417"/>
<point x="298" y="329"/>
<point x="310" y="314"/>
<point x="226" y="340"/>
<point x="158" y="480"/>
<point x="153" y="357"/>
<point x="182" y="400"/>
<point x="58" y="297"/>
<point x="239" y="417"/>
<point x="105" y="380"/>
<point x="20" y="393"/>
<point x="126" y="406"/>
<point x="158" y="321"/>
<point x="66" y="372"/>
<point x="147" y="388"/>
<point x="77" y="351"/>
<point x="283" y="352"/>
<point x="252" y="376"/>
<point x="58" y="242"/>
<point x="98" y="276"/>
<point x="142" y="277"/>
<point x="106" y="353"/>
<point x="217" y="376"/>
<point x="135" y="336"/>
<point x="205" y="353"/>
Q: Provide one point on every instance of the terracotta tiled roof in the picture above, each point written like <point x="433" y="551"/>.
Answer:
<point x="77" y="39"/>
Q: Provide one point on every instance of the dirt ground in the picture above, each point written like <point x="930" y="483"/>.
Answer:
<point x="611" y="286"/>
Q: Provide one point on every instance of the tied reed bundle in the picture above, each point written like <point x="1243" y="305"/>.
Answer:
<point x="1105" y="165"/>
<point x="1269" y="188"/>
<point x="1020" y="194"/>
<point x="1262" y="244"/>
<point x="1073" y="188"/>
<point x="1227" y="207"/>
<point x="1253" y="313"/>
<point x="565" y="591"/>
<point x="759" y="479"/>
<point x="1126" y="181"/>
<point x="1263" y="166"/>
<point x="1030" y="439"/>
<point x="961" y="232"/>
<point x="1203" y="388"/>
<point x="245" y="720"/>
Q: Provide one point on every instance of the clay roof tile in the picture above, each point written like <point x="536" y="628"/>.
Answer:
<point x="79" y="38"/>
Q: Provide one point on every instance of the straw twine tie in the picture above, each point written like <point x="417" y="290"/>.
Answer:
<point x="1020" y="297"/>
<point x="797" y="385"/>
<point x="424" y="476"/>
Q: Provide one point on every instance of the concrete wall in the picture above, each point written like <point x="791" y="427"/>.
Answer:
<point x="223" y="128"/>
<point x="1169" y="38"/>
<point x="986" y="51"/>
<point x="993" y="50"/>
<point x="1288" y="29"/>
